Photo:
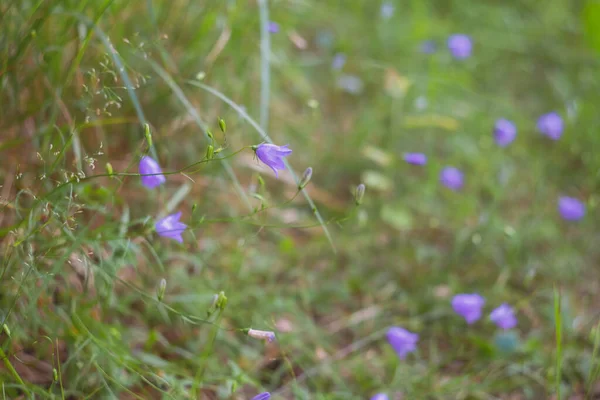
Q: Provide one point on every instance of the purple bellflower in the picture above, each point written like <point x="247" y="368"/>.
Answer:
<point x="170" y="227"/>
<point x="504" y="132"/>
<point x="380" y="396"/>
<point x="460" y="46"/>
<point x="262" y="396"/>
<point x="551" y="125"/>
<point x="148" y="167"/>
<point x="468" y="306"/>
<point x="415" y="158"/>
<point x="339" y="60"/>
<point x="504" y="317"/>
<point x="570" y="208"/>
<point x="452" y="178"/>
<point x="268" y="336"/>
<point x="402" y="341"/>
<point x="273" y="27"/>
<point x="272" y="155"/>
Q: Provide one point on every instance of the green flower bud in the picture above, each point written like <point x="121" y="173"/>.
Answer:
<point x="6" y="330"/>
<point x="162" y="286"/>
<point x="148" y="134"/>
<point x="210" y="152"/>
<point x="305" y="178"/>
<point x="55" y="374"/>
<point x="109" y="169"/>
<point x="222" y="125"/>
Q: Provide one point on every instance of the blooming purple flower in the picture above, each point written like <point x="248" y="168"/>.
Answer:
<point x="468" y="306"/>
<point x="380" y="396"/>
<point x="147" y="168"/>
<point x="272" y="155"/>
<point x="170" y="227"/>
<point x="339" y="60"/>
<point x="273" y="27"/>
<point x="460" y="46"/>
<point x="504" y="132"/>
<point x="262" y="396"/>
<point x="387" y="10"/>
<point x="551" y="125"/>
<point x="504" y="317"/>
<point x="428" y="47"/>
<point x="452" y="178"/>
<point x="570" y="208"/>
<point x="402" y="341"/>
<point x="415" y="158"/>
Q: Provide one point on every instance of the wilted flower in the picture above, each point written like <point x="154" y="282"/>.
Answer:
<point x="151" y="173"/>
<point x="452" y="178"/>
<point x="428" y="47"/>
<point x="339" y="60"/>
<point x="570" y="208"/>
<point x="504" y="317"/>
<point x="460" y="46"/>
<point x="272" y="155"/>
<point x="262" y="396"/>
<point x="273" y="27"/>
<point x="380" y="396"/>
<point x="402" y="341"/>
<point x="415" y="158"/>
<point x="468" y="306"/>
<point x="551" y="125"/>
<point x="170" y="227"/>
<point x="269" y="336"/>
<point x="504" y="132"/>
<point x="387" y="10"/>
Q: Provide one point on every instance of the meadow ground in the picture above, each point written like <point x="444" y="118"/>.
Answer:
<point x="88" y="87"/>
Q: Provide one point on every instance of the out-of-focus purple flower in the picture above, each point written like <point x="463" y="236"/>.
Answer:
<point x="269" y="336"/>
<point x="570" y="208"/>
<point x="339" y="60"/>
<point x="272" y="155"/>
<point x="351" y="83"/>
<point x="504" y="132"/>
<point x="551" y="125"/>
<point x="147" y="168"/>
<point x="387" y="10"/>
<point x="468" y="306"/>
<point x="273" y="27"/>
<point x="452" y="178"/>
<point x="415" y="158"/>
<point x="460" y="46"/>
<point x="402" y="341"/>
<point x="170" y="227"/>
<point x="380" y="396"/>
<point x="428" y="47"/>
<point x="504" y="317"/>
<point x="262" y="396"/>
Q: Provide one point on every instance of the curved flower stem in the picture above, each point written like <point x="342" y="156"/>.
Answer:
<point x="10" y="368"/>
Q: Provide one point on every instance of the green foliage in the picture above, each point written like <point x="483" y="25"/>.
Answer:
<point x="94" y="304"/>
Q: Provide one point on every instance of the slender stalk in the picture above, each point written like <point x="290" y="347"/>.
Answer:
<point x="10" y="368"/>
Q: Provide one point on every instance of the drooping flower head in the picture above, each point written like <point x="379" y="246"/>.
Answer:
<point x="170" y="227"/>
<point x="151" y="173"/>
<point x="570" y="208"/>
<point x="402" y="341"/>
<point x="380" y="396"/>
<point x="551" y="125"/>
<point x="504" y="132"/>
<point x="460" y="46"/>
<point x="468" y="306"/>
<point x="504" y="317"/>
<point x="273" y="27"/>
<point x="452" y="178"/>
<point x="387" y="10"/>
<point x="272" y="155"/>
<point x="415" y="158"/>
<point x="262" y="396"/>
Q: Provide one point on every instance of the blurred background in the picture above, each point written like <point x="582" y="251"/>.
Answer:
<point x="89" y="87"/>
